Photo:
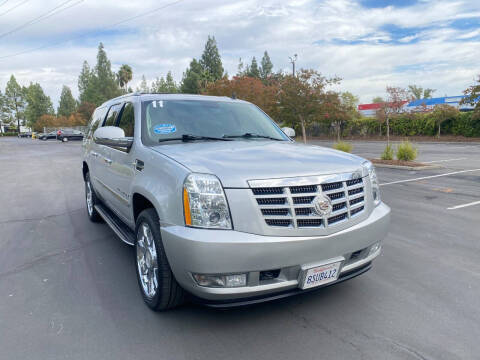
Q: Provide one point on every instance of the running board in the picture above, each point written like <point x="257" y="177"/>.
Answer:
<point x="118" y="226"/>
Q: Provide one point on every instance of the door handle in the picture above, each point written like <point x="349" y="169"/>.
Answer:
<point x="108" y="161"/>
<point x="94" y="154"/>
<point x="139" y="165"/>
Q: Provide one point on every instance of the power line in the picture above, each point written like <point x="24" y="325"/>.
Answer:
<point x="14" y="7"/>
<point x="3" y="3"/>
<point x="44" y="16"/>
<point x="146" y="13"/>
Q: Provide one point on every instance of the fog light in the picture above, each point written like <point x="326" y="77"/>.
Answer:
<point x="236" y="280"/>
<point x="374" y="248"/>
<point x="216" y="281"/>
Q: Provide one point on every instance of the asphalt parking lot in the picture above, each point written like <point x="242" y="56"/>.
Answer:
<point x="68" y="287"/>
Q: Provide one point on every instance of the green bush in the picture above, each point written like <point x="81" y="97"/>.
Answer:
<point x="406" y="151"/>
<point x="387" y="153"/>
<point x="343" y="146"/>
<point x="8" y="134"/>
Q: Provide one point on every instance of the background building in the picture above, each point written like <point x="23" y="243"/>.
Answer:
<point x="421" y="105"/>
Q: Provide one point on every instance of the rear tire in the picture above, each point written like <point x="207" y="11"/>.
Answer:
<point x="65" y="139"/>
<point x="158" y="286"/>
<point x="91" y="200"/>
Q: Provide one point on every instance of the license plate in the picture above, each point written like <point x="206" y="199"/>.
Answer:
<point x="321" y="275"/>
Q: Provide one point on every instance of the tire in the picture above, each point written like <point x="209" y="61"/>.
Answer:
<point x="92" y="213"/>
<point x="168" y="293"/>
<point x="65" y="139"/>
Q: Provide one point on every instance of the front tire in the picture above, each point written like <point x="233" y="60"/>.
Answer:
<point x="65" y="139"/>
<point x="157" y="284"/>
<point x="91" y="200"/>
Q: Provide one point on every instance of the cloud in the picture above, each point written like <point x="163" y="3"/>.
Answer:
<point x="368" y="44"/>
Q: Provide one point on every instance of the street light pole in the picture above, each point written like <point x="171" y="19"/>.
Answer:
<point x="293" y="60"/>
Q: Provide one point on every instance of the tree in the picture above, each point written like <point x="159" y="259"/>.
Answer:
<point x="249" y="89"/>
<point x="143" y="86"/>
<point x="397" y="98"/>
<point x="67" y="104"/>
<point x="443" y="112"/>
<point x="266" y="66"/>
<point x="418" y="92"/>
<point x="350" y="104"/>
<point x="194" y="78"/>
<point x="124" y="76"/>
<point x="15" y="100"/>
<point x="85" y="110"/>
<point x="240" y="68"/>
<point x="377" y="100"/>
<point x="210" y="61"/>
<point x="100" y="84"/>
<point x="253" y="70"/>
<point x="38" y="103"/>
<point x="336" y="108"/>
<point x="301" y="98"/>
<point x="106" y="81"/>
<point x="4" y="112"/>
<point x="85" y="82"/>
<point x="472" y="96"/>
<point x="167" y="85"/>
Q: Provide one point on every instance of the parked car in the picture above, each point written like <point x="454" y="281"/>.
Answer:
<point x="25" y="135"/>
<point x="48" y="136"/>
<point x="221" y="205"/>
<point x="66" y="135"/>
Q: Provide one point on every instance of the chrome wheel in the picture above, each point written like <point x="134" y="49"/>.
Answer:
<point x="147" y="260"/>
<point x="89" y="198"/>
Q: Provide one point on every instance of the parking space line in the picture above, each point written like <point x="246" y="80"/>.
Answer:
<point x="429" y="177"/>
<point x="446" y="160"/>
<point x="464" y="205"/>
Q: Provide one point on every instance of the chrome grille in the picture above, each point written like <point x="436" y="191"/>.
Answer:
<point x="292" y="206"/>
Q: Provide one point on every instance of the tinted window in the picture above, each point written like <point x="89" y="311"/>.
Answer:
<point x="127" y="120"/>
<point x="112" y="115"/>
<point x="97" y="118"/>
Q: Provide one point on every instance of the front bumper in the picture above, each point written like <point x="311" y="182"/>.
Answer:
<point x="202" y="251"/>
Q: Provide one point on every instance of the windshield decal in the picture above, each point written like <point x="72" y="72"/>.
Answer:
<point x="164" y="129"/>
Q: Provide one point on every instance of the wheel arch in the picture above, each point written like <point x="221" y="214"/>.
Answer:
<point x="142" y="202"/>
<point x="85" y="170"/>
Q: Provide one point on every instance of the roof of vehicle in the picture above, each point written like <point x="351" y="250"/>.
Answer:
<point x="165" y="96"/>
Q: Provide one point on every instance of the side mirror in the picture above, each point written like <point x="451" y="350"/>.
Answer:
<point x="113" y="136"/>
<point x="289" y="132"/>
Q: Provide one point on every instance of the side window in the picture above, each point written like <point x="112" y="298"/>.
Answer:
<point x="112" y="115"/>
<point x="97" y="118"/>
<point x="127" y="119"/>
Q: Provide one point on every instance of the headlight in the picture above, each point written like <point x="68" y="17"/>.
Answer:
<point x="373" y="181"/>
<point x="204" y="202"/>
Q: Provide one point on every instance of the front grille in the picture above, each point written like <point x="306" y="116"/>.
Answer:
<point x="278" y="222"/>
<point x="270" y="212"/>
<point x="268" y="191"/>
<point x="271" y="201"/>
<point x="293" y="206"/>
<point x="303" y="189"/>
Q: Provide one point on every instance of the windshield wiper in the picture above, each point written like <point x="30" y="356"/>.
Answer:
<point x="251" y="135"/>
<point x="189" y="137"/>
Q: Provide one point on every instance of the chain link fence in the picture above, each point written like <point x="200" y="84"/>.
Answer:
<point x="47" y="130"/>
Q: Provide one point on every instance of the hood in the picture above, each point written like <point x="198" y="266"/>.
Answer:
<point x="236" y="162"/>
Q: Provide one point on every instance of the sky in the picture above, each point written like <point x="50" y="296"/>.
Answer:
<point x="370" y="44"/>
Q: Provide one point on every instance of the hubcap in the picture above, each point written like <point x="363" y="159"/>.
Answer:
<point x="147" y="260"/>
<point x="89" y="198"/>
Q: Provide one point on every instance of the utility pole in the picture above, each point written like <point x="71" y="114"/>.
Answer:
<point x="293" y="60"/>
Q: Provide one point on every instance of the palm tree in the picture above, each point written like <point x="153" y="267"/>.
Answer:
<point x="124" y="76"/>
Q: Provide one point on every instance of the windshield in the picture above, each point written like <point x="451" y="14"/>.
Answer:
<point x="172" y="119"/>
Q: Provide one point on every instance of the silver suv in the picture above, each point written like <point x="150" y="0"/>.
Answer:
<point x="222" y="205"/>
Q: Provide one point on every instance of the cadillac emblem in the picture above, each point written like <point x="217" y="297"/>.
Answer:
<point x="322" y="205"/>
